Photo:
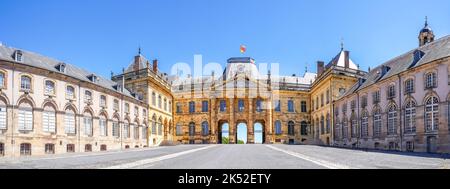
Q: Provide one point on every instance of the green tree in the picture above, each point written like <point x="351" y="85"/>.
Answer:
<point x="241" y="142"/>
<point x="225" y="140"/>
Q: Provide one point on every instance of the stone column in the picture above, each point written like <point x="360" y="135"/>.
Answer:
<point x="268" y="127"/>
<point x="250" y="122"/>
<point x="232" y="124"/>
<point x="213" y="121"/>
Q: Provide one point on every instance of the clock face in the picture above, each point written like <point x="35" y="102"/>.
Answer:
<point x="240" y="68"/>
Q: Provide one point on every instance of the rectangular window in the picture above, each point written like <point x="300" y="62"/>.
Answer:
<point x="328" y="96"/>
<point x="126" y="134"/>
<point x="25" y="83"/>
<point x="136" y="132"/>
<point x="258" y="105"/>
<point x="179" y="130"/>
<point x="69" y="121"/>
<point x="179" y="108"/>
<point x="102" y="125"/>
<point x="144" y="133"/>
<point x="205" y="106"/>
<point x="278" y="106"/>
<point x="25" y="149"/>
<point x="102" y="101"/>
<point x="116" y="105"/>
<point x="2" y="80"/>
<point x="49" y="148"/>
<point x="127" y="108"/>
<point x="116" y="129"/>
<point x="241" y="105"/>
<point x="25" y="120"/>
<point x="364" y="101"/>
<point x="70" y="148"/>
<point x="3" y="118"/>
<point x="353" y="104"/>
<point x="303" y="107"/>
<point x="409" y="86"/>
<point x="87" y="126"/>
<point x="376" y="97"/>
<point x="191" y="107"/>
<point x="223" y="106"/>
<point x="2" y="149"/>
<point x="48" y="121"/>
<point x="321" y="100"/>
<point x="391" y="92"/>
<point x="291" y="106"/>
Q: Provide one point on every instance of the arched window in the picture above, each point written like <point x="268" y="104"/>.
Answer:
<point x="205" y="129"/>
<point x="377" y="123"/>
<point x="103" y="125"/>
<point x="160" y="127"/>
<point x="87" y="123"/>
<point x="410" y="117"/>
<point x="159" y="102"/>
<point x="116" y="127"/>
<point x="430" y="80"/>
<point x="25" y="117"/>
<point x="431" y="114"/>
<point x="192" y="107"/>
<point x="365" y="124"/>
<point x="70" y="92"/>
<point x="192" y="129"/>
<point x="392" y="120"/>
<point x="154" y="125"/>
<point x="49" y="87"/>
<point x="165" y="104"/>
<point x="25" y="83"/>
<point x="304" y="128"/>
<point x="354" y="126"/>
<point x="179" y="129"/>
<point x="69" y="121"/>
<point x="291" y="128"/>
<point x="49" y="119"/>
<point x="345" y="128"/>
<point x="278" y="128"/>
<point x="322" y="125"/>
<point x="328" y="124"/>
<point x="154" y="99"/>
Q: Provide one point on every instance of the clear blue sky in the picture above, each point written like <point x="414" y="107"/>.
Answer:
<point x="103" y="35"/>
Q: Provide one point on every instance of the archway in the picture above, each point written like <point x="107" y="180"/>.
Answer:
<point x="224" y="133"/>
<point x="259" y="135"/>
<point x="241" y="134"/>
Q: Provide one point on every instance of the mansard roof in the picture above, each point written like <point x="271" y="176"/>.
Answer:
<point x="43" y="62"/>
<point x="419" y="56"/>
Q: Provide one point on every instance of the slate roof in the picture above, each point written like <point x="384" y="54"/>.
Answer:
<point x="430" y="52"/>
<point x="43" y="62"/>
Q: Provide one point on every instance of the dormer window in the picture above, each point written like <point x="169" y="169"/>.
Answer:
<point x="18" y="56"/>
<point x="92" y="78"/>
<point x="61" y="67"/>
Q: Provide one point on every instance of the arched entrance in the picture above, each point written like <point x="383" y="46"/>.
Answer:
<point x="224" y="133"/>
<point x="258" y="133"/>
<point x="241" y="134"/>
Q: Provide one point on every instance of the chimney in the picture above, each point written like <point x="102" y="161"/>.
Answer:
<point x="155" y="65"/>
<point x="347" y="59"/>
<point x="320" y="67"/>
<point x="137" y="62"/>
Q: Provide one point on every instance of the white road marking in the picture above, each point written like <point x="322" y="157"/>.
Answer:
<point x="95" y="154"/>
<point x="327" y="164"/>
<point x="157" y="159"/>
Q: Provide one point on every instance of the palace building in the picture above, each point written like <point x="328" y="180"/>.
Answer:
<point x="51" y="107"/>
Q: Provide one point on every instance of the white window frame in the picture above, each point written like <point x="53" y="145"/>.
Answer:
<point x="49" y="121"/>
<point x="25" y="119"/>
<point x="3" y="118"/>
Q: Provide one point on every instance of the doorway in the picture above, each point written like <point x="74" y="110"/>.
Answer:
<point x="241" y="134"/>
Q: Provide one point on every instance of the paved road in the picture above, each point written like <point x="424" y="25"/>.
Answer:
<point x="232" y="157"/>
